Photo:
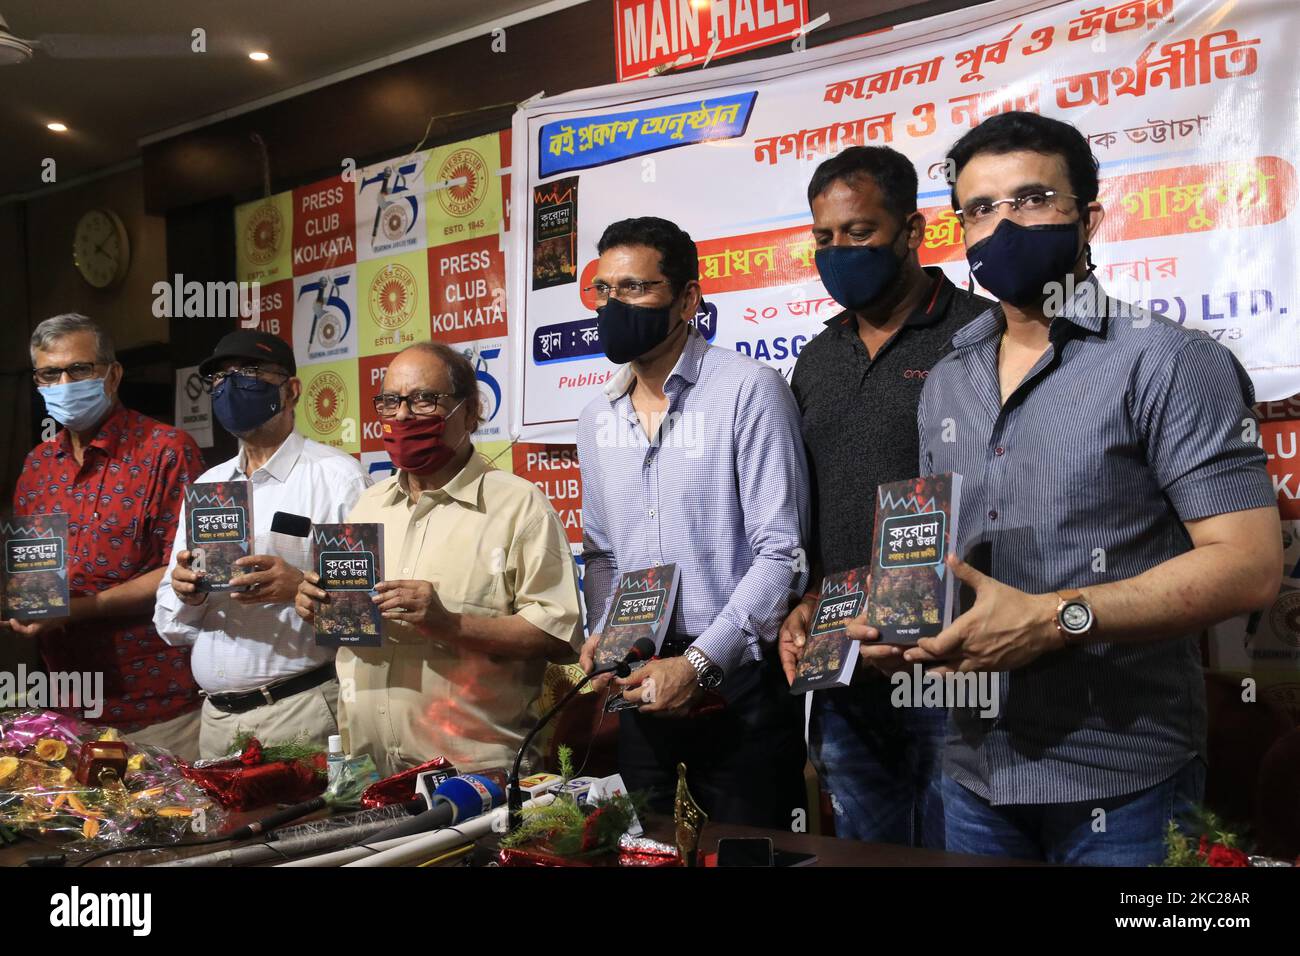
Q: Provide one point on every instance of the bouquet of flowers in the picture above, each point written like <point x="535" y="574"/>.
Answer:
<point x="1208" y="842"/>
<point x="254" y="775"/>
<point x="568" y="833"/>
<point x="65" y="779"/>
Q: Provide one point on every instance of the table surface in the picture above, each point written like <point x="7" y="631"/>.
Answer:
<point x="830" y="851"/>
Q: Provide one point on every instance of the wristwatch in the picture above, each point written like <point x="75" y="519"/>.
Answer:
<point x="1074" y="617"/>
<point x="707" y="673"/>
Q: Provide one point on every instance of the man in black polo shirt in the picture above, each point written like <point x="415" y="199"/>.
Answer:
<point x="858" y="384"/>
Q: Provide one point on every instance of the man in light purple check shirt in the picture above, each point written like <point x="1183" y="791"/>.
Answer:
<point x="693" y="456"/>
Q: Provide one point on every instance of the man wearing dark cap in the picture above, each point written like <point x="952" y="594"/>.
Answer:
<point x="255" y="659"/>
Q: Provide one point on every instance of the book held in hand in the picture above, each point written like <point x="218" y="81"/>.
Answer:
<point x="349" y="559"/>
<point x="642" y="606"/>
<point x="913" y="593"/>
<point x="829" y="656"/>
<point x="36" y="567"/>
<point x="218" y="530"/>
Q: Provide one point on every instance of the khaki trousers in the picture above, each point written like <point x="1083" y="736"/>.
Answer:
<point x="180" y="735"/>
<point x="309" y="715"/>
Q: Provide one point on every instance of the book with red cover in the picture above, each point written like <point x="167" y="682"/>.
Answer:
<point x="36" y="566"/>
<point x="830" y="657"/>
<point x="913" y="594"/>
<point x="642" y="606"/>
<point x="349" y="558"/>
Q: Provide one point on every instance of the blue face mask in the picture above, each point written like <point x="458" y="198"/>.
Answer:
<point x="78" y="405"/>
<point x="1017" y="262"/>
<point x="241" y="403"/>
<point x="856" y="276"/>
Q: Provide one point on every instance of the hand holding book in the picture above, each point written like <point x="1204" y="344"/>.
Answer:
<point x="1005" y="629"/>
<point x="185" y="580"/>
<point x="265" y="579"/>
<point x="416" y="603"/>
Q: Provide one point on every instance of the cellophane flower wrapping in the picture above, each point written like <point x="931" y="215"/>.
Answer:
<point x="400" y="786"/>
<point x="40" y="795"/>
<point x="258" y="775"/>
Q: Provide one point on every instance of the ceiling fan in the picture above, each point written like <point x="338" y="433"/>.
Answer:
<point x="15" y="49"/>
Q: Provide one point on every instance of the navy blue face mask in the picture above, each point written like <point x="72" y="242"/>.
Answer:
<point x="630" y="331"/>
<point x="857" y="276"/>
<point x="1016" y="262"/>
<point x="241" y="403"/>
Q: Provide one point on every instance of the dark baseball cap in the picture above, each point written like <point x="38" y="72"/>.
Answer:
<point x="250" y="344"/>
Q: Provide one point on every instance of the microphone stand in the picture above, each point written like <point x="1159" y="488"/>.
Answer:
<point x="514" y="794"/>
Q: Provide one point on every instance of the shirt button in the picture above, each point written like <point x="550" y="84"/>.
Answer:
<point x="406" y="570"/>
<point x="993" y="515"/>
<point x="999" y="451"/>
<point x="651" y="512"/>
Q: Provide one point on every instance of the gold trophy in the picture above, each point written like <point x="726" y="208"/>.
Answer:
<point x="690" y="820"/>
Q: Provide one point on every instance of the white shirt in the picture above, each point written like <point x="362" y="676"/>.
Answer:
<point x="240" y="647"/>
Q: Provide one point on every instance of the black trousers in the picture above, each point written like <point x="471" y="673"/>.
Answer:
<point x="744" y="763"/>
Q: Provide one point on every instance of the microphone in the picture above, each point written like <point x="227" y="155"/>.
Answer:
<point x="642" y="650"/>
<point x="288" y="538"/>
<point x="298" y="526"/>
<point x="456" y="799"/>
<point x="278" y="818"/>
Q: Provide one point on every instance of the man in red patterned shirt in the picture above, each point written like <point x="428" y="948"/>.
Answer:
<point x="119" y="476"/>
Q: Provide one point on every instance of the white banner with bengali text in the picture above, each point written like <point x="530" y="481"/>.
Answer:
<point x="1191" y="107"/>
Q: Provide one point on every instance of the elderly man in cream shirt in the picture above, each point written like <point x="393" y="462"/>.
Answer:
<point x="480" y="588"/>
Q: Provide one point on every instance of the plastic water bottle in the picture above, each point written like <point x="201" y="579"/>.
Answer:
<point x="334" y="761"/>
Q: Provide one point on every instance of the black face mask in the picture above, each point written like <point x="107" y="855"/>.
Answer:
<point x="630" y="331"/>
<point x="858" y="277"/>
<point x="1016" y="262"/>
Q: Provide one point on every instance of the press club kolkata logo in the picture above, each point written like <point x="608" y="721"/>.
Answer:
<point x="394" y="296"/>
<point x="394" y="221"/>
<point x="327" y="401"/>
<point x="262" y="234"/>
<point x="462" y="199"/>
<point x="1284" y="618"/>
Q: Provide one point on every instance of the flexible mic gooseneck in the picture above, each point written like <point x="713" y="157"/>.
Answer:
<point x="642" y="650"/>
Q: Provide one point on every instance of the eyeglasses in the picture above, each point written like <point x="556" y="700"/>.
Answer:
<point x="77" y="371"/>
<point x="1033" y="207"/>
<point x="213" y="381"/>
<point x="422" y="401"/>
<point x="627" y="289"/>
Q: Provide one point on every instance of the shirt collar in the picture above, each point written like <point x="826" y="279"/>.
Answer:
<point x="1087" y="308"/>
<point x="279" y="465"/>
<point x="687" y="368"/>
<point x="109" y="436"/>
<point x="931" y="309"/>
<point x="464" y="485"/>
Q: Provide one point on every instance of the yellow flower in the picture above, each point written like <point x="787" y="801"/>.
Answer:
<point x="49" y="749"/>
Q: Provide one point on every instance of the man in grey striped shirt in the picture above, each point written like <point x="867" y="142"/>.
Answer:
<point x="1114" y="504"/>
